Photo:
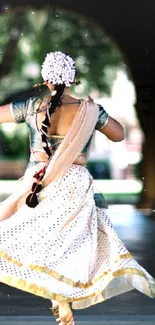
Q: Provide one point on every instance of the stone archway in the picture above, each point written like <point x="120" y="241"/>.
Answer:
<point x="132" y="26"/>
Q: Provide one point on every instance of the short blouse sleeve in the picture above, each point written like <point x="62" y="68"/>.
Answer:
<point x="19" y="108"/>
<point x="102" y="119"/>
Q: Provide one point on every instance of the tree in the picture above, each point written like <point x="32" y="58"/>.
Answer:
<point x="55" y="29"/>
<point x="28" y="35"/>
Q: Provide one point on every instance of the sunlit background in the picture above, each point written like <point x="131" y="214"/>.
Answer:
<point x="103" y="73"/>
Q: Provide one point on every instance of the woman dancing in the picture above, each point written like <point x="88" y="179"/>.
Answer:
<point x="55" y="242"/>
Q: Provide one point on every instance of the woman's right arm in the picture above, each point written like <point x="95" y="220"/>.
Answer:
<point x="6" y="114"/>
<point x="17" y="110"/>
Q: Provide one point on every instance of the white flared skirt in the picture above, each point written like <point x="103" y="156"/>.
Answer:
<point x="66" y="248"/>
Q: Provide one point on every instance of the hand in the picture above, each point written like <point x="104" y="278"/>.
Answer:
<point x="90" y="99"/>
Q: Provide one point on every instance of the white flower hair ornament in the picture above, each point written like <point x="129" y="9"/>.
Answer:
<point x="58" y="68"/>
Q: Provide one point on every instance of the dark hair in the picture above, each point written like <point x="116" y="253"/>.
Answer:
<point x="32" y="199"/>
<point x="54" y="102"/>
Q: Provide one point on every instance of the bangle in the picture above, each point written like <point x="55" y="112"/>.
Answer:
<point x="105" y="123"/>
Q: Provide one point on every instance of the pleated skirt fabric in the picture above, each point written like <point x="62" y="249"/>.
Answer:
<point x="66" y="248"/>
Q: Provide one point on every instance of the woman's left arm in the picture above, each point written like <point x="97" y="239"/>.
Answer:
<point x="113" y="130"/>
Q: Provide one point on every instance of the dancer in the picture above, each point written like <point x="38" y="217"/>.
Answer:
<point x="55" y="242"/>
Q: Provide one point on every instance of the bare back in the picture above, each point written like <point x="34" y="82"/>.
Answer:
<point x="61" y="121"/>
<point x="62" y="118"/>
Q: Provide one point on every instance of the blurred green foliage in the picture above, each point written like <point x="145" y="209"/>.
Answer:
<point x="26" y="36"/>
<point x="41" y="31"/>
<point x="14" y="145"/>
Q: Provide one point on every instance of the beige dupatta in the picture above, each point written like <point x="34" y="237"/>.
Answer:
<point x="74" y="141"/>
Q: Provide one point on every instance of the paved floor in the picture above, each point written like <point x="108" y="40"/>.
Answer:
<point x="83" y="320"/>
<point x="79" y="321"/>
<point x="137" y="230"/>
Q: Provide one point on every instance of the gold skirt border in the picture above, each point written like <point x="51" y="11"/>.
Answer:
<point x="44" y="293"/>
<point x="61" y="277"/>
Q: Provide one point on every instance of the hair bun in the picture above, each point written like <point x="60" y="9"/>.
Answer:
<point x="58" y="68"/>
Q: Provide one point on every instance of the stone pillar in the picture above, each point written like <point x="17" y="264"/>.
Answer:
<point x="145" y="108"/>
